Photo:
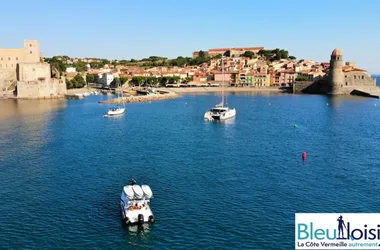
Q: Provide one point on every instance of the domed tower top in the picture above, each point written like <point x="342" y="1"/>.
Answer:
<point x="336" y="55"/>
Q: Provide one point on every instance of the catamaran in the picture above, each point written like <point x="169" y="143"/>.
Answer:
<point x="135" y="204"/>
<point x="220" y="111"/>
<point x="117" y="109"/>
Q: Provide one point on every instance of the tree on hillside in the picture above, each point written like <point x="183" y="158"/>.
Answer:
<point x="78" y="81"/>
<point x="80" y="66"/>
<point x="292" y="58"/>
<point x="90" y="78"/>
<point x="201" y="54"/>
<point x="56" y="63"/>
<point x="249" y="54"/>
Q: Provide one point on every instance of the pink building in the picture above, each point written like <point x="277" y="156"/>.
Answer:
<point x="218" y="77"/>
<point x="285" y="77"/>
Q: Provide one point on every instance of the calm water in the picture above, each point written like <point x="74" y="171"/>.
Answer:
<point x="229" y="185"/>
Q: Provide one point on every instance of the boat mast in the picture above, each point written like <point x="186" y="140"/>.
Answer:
<point x="222" y="82"/>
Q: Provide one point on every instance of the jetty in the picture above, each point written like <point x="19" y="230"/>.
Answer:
<point x="159" y="95"/>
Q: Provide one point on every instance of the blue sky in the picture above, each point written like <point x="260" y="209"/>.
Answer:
<point x="118" y="29"/>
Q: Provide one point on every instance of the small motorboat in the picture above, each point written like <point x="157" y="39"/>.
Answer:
<point x="135" y="204"/>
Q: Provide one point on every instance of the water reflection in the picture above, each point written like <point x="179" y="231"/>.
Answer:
<point x="12" y="108"/>
<point x="337" y="101"/>
<point x="24" y="122"/>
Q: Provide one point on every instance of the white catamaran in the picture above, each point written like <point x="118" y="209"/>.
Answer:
<point x="117" y="109"/>
<point x="220" y="111"/>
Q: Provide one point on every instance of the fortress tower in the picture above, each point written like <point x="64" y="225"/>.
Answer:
<point x="336" y="75"/>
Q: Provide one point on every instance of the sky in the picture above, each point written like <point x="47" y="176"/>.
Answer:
<point x="124" y="29"/>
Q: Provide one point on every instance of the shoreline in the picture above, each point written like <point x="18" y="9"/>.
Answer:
<point x="185" y="90"/>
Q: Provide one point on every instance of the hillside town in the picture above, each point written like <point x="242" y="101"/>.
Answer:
<point x="252" y="66"/>
<point x="256" y="67"/>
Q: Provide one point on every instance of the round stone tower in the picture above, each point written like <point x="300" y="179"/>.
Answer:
<point x="336" y="73"/>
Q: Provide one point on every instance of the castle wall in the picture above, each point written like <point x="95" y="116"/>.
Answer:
<point x="8" y="80"/>
<point x="9" y="58"/>
<point x="357" y="79"/>
<point x="38" y="89"/>
<point x="33" y="72"/>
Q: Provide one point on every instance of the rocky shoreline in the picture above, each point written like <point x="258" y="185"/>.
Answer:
<point x="142" y="98"/>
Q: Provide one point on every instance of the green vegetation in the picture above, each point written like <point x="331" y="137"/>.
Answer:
<point x="276" y="54"/>
<point x="157" y="81"/>
<point x="302" y="78"/>
<point x="76" y="82"/>
<point x="90" y="78"/>
<point x="56" y="63"/>
<point x="249" y="54"/>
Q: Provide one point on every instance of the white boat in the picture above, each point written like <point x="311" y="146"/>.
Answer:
<point x="117" y="109"/>
<point x="220" y="111"/>
<point x="135" y="204"/>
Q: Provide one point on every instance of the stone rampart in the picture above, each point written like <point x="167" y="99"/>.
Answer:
<point x="8" y="80"/>
<point x="40" y="90"/>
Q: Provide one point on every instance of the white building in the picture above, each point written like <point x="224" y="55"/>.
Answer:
<point x="105" y="79"/>
<point x="71" y="70"/>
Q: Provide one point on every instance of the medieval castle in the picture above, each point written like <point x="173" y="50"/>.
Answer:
<point x="24" y="74"/>
<point x="345" y="79"/>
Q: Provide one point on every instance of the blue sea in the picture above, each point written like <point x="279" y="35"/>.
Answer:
<point x="229" y="185"/>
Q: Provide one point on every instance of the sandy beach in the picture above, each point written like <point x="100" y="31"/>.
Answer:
<point x="229" y="89"/>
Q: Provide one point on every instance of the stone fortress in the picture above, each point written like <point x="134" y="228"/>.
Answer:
<point x="345" y="79"/>
<point x="23" y="74"/>
<point x="341" y="80"/>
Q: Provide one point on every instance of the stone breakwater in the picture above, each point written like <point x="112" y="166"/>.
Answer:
<point x="142" y="98"/>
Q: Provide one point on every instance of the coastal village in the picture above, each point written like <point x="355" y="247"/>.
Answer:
<point x="24" y="73"/>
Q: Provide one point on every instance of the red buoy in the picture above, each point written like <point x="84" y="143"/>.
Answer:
<point x="304" y="155"/>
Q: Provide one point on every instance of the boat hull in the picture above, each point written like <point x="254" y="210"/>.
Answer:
<point x="220" y="116"/>
<point x="119" y="111"/>
<point x="136" y="216"/>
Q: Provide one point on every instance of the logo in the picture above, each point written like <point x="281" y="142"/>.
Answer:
<point x="337" y="231"/>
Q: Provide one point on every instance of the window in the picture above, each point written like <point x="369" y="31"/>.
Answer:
<point x="16" y="58"/>
<point x="362" y="77"/>
<point x="345" y="76"/>
<point x="30" y="45"/>
<point x="9" y="58"/>
<point x="354" y="77"/>
<point x="30" y="52"/>
<point x="346" y="83"/>
<point x="1" y="59"/>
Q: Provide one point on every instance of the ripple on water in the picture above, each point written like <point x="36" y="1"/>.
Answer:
<point x="230" y="185"/>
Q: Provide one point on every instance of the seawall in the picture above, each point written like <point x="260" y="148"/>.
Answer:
<point x="142" y="98"/>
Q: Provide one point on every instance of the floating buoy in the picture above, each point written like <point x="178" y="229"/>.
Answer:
<point x="304" y="155"/>
<point x="270" y="103"/>
<point x="295" y="125"/>
<point x="327" y="104"/>
<point x="185" y="102"/>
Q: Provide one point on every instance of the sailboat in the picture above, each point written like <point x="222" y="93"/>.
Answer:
<point x="117" y="109"/>
<point x="220" y="111"/>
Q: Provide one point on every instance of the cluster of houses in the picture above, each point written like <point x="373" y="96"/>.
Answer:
<point x="234" y="69"/>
